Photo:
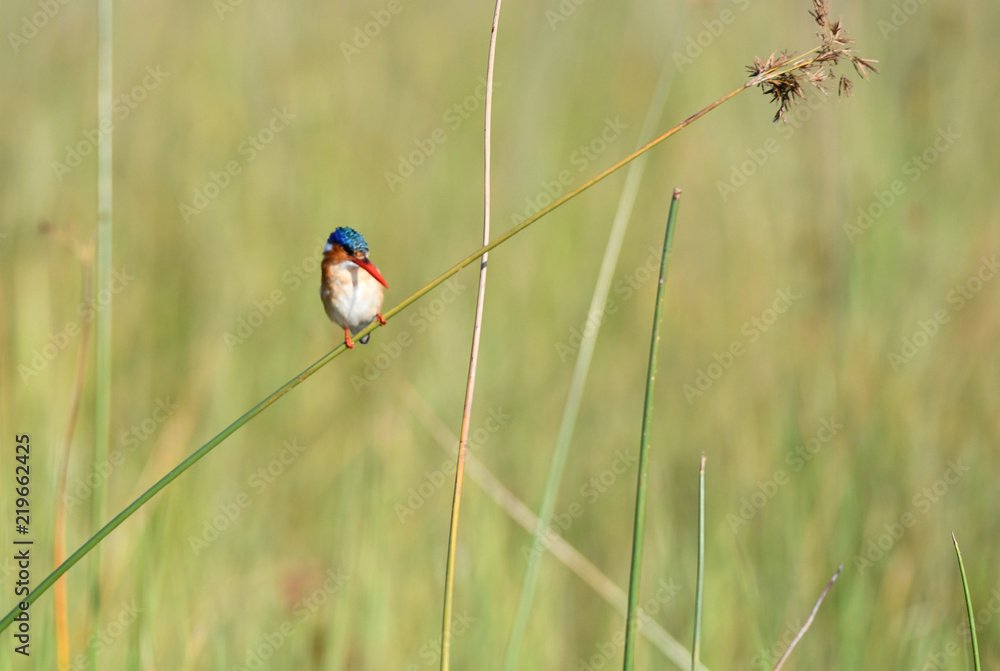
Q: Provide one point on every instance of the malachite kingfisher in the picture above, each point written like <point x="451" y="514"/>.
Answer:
<point x="351" y="285"/>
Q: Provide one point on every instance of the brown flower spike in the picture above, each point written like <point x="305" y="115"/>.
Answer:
<point x="781" y="75"/>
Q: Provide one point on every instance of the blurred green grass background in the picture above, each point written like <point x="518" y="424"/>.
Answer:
<point x="353" y="452"/>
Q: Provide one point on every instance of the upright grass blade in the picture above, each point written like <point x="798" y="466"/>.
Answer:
<point x="102" y="328"/>
<point x="696" y="644"/>
<point x="968" y="606"/>
<point x="197" y="455"/>
<point x="470" y="385"/>
<point x="581" y="369"/>
<point x="632" y="618"/>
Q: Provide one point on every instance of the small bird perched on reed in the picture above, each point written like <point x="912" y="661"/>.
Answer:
<point x="351" y="285"/>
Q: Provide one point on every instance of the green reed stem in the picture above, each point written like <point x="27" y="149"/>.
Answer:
<point x="699" y="584"/>
<point x="102" y="328"/>
<point x="968" y="606"/>
<point x="93" y="541"/>
<point x="632" y="618"/>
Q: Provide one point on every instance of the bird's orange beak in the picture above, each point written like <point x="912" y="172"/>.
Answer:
<point x="372" y="270"/>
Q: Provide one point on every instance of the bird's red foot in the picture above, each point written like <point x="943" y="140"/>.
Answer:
<point x="380" y="318"/>
<point x="347" y="339"/>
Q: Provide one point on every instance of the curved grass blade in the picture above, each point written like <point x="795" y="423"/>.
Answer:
<point x="968" y="605"/>
<point x="470" y="386"/>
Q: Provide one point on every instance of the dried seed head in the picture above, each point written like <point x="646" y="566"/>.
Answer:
<point x="781" y="75"/>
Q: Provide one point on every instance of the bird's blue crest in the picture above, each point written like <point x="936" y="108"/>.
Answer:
<point x="349" y="239"/>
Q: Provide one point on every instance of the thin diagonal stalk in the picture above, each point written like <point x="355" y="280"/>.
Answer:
<point x="470" y="386"/>
<point x="582" y="368"/>
<point x="700" y="583"/>
<point x="197" y="455"/>
<point x="102" y="328"/>
<point x="968" y="606"/>
<point x="572" y="558"/>
<point x="632" y="616"/>
<point x="812" y="616"/>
